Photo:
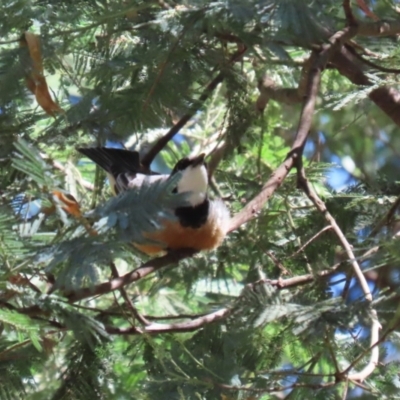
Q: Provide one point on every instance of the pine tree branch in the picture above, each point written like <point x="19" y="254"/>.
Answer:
<point x="163" y="141"/>
<point x="349" y="63"/>
<point x="375" y="325"/>
<point x="318" y="63"/>
<point x="252" y="209"/>
<point x="196" y="321"/>
<point x="385" y="97"/>
<point x="304" y="184"/>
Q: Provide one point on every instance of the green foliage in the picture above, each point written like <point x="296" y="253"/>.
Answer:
<point x="86" y="374"/>
<point x="138" y="68"/>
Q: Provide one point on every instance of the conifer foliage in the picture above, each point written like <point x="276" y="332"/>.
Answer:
<point x="301" y="299"/>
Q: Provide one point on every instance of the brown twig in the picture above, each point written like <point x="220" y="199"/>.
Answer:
<point x="196" y="320"/>
<point x="345" y="389"/>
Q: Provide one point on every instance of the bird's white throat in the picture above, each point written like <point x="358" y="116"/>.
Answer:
<point x="194" y="180"/>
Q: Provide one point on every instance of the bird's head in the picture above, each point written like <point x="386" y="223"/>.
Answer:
<point x="194" y="178"/>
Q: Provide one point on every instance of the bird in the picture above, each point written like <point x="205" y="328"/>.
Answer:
<point x="200" y="225"/>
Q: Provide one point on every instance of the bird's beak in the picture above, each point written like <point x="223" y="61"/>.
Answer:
<point x="198" y="160"/>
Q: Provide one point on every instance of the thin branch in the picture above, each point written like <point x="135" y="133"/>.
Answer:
<point x="369" y="368"/>
<point x="372" y="64"/>
<point x="269" y="90"/>
<point x="345" y="389"/>
<point x="10" y="349"/>
<point x="84" y="183"/>
<point x="277" y="388"/>
<point x="162" y="70"/>
<point x="138" y="273"/>
<point x="296" y="280"/>
<point x="349" y="13"/>
<point x="196" y="322"/>
<point x="363" y="257"/>
<point x="284" y="270"/>
<point x="298" y="240"/>
<point x="385" y="97"/>
<point x="135" y="313"/>
<point x="252" y="208"/>
<point x="27" y="281"/>
<point x="387" y="219"/>
<point x="317" y="63"/>
<point x="187" y="326"/>
<point x="367" y="11"/>
<point x="378" y="28"/>
<point x="332" y="354"/>
<point x="320" y="206"/>
<point x="10" y="41"/>
<point x="177" y="316"/>
<point x="374" y="357"/>
<point x="375" y="325"/>
<point x="163" y="141"/>
<point x="309" y="241"/>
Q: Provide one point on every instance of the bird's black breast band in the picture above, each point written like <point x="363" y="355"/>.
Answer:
<point x="193" y="217"/>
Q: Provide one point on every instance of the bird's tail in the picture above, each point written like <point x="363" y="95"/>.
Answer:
<point x="111" y="159"/>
